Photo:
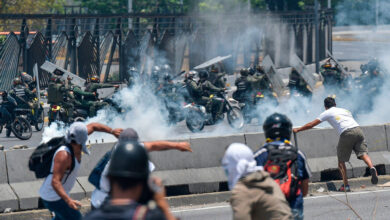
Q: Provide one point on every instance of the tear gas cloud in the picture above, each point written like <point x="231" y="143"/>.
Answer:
<point x="145" y="112"/>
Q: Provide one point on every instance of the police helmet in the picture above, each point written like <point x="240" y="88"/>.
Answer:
<point x="129" y="160"/>
<point x="17" y="81"/>
<point x="214" y="69"/>
<point x="277" y="127"/>
<point x="167" y="77"/>
<point x="203" y="74"/>
<point x="260" y="69"/>
<point x="166" y="68"/>
<point x="95" y="78"/>
<point x="251" y="71"/>
<point x="192" y="73"/>
<point x="244" y="72"/>
<point x="26" y="78"/>
<point x="133" y="69"/>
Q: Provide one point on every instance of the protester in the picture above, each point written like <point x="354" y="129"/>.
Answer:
<point x="128" y="175"/>
<point x="255" y="195"/>
<point x="57" y="185"/>
<point x="100" y="194"/>
<point x="351" y="138"/>
<point x="286" y="164"/>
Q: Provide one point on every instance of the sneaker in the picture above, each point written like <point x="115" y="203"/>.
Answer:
<point x="374" y="175"/>
<point x="344" y="188"/>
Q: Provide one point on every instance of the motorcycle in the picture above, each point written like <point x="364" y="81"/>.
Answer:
<point x="197" y="116"/>
<point x="36" y="118"/>
<point x="249" y="108"/>
<point x="19" y="126"/>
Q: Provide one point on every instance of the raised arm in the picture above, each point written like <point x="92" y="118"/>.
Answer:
<point x="167" y="145"/>
<point x="307" y="126"/>
<point x="92" y="127"/>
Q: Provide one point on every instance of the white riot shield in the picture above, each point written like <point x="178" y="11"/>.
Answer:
<point x="273" y="76"/>
<point x="52" y="68"/>
<point x="309" y="78"/>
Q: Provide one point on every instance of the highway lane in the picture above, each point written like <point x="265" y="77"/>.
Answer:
<point x="359" y="50"/>
<point x="367" y="204"/>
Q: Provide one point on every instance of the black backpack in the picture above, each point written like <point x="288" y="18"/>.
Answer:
<point x="282" y="165"/>
<point x="42" y="157"/>
<point x="96" y="174"/>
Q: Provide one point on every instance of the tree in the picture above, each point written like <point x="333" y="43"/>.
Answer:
<point x="31" y="6"/>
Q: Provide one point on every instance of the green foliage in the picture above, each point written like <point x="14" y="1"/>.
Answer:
<point x="31" y="6"/>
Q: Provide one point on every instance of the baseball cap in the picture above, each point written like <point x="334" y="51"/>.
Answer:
<point x="128" y="134"/>
<point x="78" y="133"/>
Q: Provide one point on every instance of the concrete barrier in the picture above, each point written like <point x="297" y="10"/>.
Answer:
<point x="199" y="171"/>
<point x="23" y="181"/>
<point x="8" y="198"/>
<point x="89" y="162"/>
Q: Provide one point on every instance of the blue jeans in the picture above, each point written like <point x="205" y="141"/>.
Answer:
<point x="297" y="213"/>
<point x="62" y="211"/>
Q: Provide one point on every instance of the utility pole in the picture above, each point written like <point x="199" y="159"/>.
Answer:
<point x="329" y="3"/>
<point x="130" y="10"/>
<point x="376" y="13"/>
<point x="317" y="26"/>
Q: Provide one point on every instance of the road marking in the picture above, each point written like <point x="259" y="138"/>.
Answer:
<point x="308" y="198"/>
<point x="201" y="209"/>
<point x="348" y="194"/>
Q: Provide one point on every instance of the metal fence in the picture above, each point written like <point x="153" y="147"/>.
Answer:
<point x="108" y="45"/>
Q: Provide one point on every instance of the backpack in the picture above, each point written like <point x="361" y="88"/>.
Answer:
<point x="96" y="174"/>
<point x="282" y="165"/>
<point x="41" y="159"/>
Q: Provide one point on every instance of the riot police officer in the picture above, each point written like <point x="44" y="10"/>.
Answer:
<point x="7" y="107"/>
<point x="298" y="85"/>
<point x="192" y="86"/>
<point x="58" y="93"/>
<point x="216" y="77"/>
<point x="209" y="99"/>
<point x="23" y="96"/>
<point x="131" y="197"/>
<point x="244" y="87"/>
<point x="92" y="87"/>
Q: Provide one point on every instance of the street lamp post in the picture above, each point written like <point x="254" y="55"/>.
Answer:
<point x="130" y="10"/>
<point x="317" y="39"/>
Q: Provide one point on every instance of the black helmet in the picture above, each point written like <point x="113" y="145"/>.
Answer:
<point x="277" y="127"/>
<point x="167" y="77"/>
<point x="17" y="81"/>
<point x="203" y="74"/>
<point x="129" y="160"/>
<point x="244" y="72"/>
<point x="251" y="71"/>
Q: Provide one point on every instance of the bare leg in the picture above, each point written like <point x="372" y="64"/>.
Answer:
<point x="343" y="172"/>
<point x="367" y="160"/>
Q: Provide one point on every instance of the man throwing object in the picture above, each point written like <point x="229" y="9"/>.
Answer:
<point x="351" y="138"/>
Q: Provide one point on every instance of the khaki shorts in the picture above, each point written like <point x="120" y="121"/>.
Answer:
<point x="351" y="139"/>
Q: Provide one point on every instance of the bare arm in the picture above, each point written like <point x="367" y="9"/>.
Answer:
<point x="92" y="127"/>
<point x="167" y="145"/>
<point x="307" y="126"/>
<point x="62" y="162"/>
<point x="305" y="187"/>
<point x="159" y="198"/>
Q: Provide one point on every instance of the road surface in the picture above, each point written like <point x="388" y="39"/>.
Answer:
<point x="367" y="204"/>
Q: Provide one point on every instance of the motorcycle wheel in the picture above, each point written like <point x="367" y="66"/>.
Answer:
<point x="235" y="118"/>
<point x="195" y="121"/>
<point x="40" y="121"/>
<point x="21" y="128"/>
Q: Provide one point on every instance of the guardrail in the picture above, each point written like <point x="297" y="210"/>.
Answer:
<point x="197" y="172"/>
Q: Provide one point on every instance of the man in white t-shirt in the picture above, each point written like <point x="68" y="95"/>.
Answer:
<point x="351" y="138"/>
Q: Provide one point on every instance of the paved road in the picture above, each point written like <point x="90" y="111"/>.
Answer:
<point x="319" y="207"/>
<point x="359" y="50"/>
